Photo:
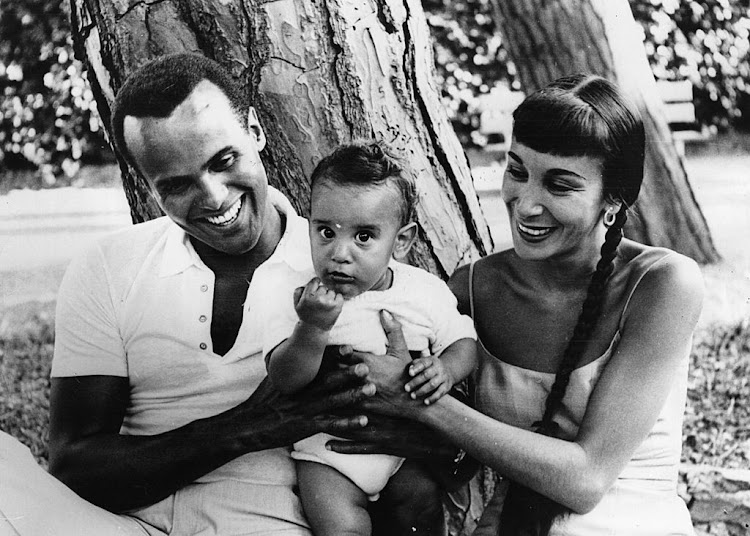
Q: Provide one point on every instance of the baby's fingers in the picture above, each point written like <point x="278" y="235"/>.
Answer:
<point x="428" y="387"/>
<point x="419" y="364"/>
<point x="422" y="379"/>
<point x="441" y="391"/>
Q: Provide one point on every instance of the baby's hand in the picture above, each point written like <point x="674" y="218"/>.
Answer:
<point x="429" y="377"/>
<point x="317" y="305"/>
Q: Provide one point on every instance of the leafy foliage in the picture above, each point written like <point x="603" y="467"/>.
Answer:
<point x="50" y="124"/>
<point x="704" y="41"/>
<point x="49" y="119"/>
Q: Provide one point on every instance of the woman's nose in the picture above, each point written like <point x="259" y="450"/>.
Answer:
<point x="528" y="201"/>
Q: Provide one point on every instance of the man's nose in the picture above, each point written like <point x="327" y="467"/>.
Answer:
<point x="213" y="192"/>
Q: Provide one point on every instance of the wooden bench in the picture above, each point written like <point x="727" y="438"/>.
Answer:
<point x="679" y="110"/>
<point x="496" y="118"/>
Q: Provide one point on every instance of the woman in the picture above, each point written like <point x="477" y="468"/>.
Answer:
<point x="584" y="336"/>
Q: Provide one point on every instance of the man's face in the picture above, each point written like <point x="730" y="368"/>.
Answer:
<point x="204" y="169"/>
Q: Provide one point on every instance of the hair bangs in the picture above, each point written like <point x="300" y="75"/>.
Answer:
<point x="561" y="124"/>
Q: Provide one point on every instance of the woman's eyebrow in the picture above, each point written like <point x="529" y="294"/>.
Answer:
<point x="562" y="171"/>
<point x="515" y="157"/>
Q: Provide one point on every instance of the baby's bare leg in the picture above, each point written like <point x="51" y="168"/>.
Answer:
<point x="333" y="504"/>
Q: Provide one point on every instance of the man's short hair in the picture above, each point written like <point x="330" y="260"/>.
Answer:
<point x="159" y="86"/>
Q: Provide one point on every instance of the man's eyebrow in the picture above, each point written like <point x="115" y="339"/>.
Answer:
<point x="515" y="157"/>
<point x="218" y="155"/>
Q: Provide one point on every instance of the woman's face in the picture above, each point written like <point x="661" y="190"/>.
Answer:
<point x="555" y="205"/>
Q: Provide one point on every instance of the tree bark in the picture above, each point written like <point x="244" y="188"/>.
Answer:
<point x="547" y="39"/>
<point x="319" y="73"/>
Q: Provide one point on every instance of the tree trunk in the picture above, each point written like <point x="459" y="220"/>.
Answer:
<point x="547" y="39"/>
<point x="319" y="73"/>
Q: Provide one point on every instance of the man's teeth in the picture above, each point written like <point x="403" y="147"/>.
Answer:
<point x="534" y="232"/>
<point x="229" y="216"/>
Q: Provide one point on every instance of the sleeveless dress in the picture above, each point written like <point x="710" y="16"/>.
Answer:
<point x="643" y="501"/>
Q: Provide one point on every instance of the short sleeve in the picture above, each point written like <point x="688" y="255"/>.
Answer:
<point x="87" y="336"/>
<point x="449" y="325"/>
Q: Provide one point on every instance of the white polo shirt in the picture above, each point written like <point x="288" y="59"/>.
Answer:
<point x="138" y="305"/>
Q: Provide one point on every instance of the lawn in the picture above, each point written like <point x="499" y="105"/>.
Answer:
<point x="717" y="421"/>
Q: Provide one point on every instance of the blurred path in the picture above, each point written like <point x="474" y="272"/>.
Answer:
<point x="40" y="231"/>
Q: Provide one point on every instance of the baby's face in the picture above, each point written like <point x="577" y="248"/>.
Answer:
<point x="353" y="232"/>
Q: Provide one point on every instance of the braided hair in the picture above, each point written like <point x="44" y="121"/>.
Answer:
<point x="580" y="115"/>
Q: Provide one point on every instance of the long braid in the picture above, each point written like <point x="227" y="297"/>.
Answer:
<point x="525" y="511"/>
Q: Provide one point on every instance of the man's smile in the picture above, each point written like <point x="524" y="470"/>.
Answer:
<point x="228" y="217"/>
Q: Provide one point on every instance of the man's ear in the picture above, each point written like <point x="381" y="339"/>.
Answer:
<point x="404" y="240"/>
<point x="253" y="126"/>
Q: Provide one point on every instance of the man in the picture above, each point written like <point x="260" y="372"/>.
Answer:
<point x="156" y="409"/>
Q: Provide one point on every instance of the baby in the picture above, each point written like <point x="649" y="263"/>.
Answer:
<point x="361" y="224"/>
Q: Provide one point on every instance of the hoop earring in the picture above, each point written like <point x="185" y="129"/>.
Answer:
<point x="609" y="217"/>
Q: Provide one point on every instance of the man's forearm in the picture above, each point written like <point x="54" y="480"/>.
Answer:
<point x="120" y="473"/>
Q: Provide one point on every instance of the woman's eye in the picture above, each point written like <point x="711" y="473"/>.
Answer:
<point x="326" y="232"/>
<point x="516" y="173"/>
<point x="363" y="236"/>
<point x="559" y="187"/>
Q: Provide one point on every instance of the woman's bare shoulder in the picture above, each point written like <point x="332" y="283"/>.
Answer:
<point x="491" y="267"/>
<point x="660" y="273"/>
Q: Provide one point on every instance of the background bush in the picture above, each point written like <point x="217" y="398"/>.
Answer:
<point x="50" y="124"/>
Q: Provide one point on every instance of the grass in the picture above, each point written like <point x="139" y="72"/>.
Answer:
<point x="716" y="429"/>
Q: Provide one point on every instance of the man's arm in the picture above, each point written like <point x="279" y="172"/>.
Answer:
<point x="121" y="472"/>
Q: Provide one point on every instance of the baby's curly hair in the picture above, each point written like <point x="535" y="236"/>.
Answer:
<point x="369" y="163"/>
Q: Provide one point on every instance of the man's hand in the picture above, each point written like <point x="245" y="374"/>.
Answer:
<point x="317" y="305"/>
<point x="280" y="420"/>
<point x="431" y="379"/>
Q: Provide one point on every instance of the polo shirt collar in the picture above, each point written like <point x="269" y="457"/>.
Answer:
<point x="293" y="248"/>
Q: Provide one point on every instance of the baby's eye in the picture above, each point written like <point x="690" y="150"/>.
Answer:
<point x="363" y="236"/>
<point x="326" y="232"/>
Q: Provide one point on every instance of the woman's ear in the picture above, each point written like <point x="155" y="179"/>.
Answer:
<point x="404" y="240"/>
<point x="254" y="128"/>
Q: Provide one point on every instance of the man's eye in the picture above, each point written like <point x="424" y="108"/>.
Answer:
<point x="363" y="236"/>
<point x="171" y="187"/>
<point x="225" y="162"/>
<point x="326" y="232"/>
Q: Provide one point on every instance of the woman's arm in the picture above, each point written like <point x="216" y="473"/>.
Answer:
<point x="622" y="409"/>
